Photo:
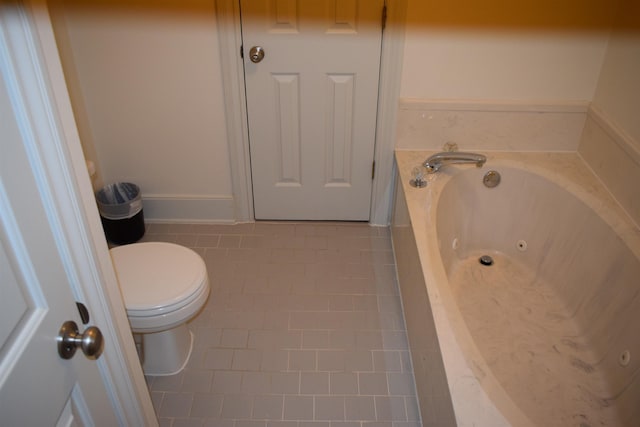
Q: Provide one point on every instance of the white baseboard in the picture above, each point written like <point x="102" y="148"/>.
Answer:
<point x="188" y="208"/>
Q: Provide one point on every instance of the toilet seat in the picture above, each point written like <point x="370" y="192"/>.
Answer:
<point x="162" y="284"/>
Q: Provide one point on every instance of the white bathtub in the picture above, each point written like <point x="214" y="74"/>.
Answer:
<point x="546" y="336"/>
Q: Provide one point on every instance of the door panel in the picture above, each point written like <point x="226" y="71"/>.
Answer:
<point x="36" y="296"/>
<point x="312" y="104"/>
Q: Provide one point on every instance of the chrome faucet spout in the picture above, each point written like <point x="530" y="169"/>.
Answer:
<point x="438" y="160"/>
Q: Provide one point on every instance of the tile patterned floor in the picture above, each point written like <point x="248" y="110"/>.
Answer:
<point x="303" y="328"/>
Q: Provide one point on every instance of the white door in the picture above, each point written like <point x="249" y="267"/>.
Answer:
<point x="37" y="387"/>
<point x="311" y="104"/>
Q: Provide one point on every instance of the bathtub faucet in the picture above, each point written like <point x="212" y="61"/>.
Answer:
<point x="436" y="161"/>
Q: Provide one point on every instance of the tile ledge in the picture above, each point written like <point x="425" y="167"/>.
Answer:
<point x="625" y="141"/>
<point x="495" y="105"/>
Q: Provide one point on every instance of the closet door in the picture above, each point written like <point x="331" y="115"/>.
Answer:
<point x="311" y="72"/>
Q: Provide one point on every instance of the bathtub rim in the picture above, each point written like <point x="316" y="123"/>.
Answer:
<point x="468" y="376"/>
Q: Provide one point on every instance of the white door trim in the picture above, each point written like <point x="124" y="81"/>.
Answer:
<point x="388" y="96"/>
<point x="37" y="89"/>
<point x="230" y="38"/>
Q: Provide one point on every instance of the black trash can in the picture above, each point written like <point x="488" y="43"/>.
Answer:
<point x="120" y="207"/>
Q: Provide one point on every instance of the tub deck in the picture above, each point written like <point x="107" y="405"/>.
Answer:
<point x="512" y="350"/>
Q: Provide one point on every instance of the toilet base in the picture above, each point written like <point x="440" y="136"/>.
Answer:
<point x="166" y="352"/>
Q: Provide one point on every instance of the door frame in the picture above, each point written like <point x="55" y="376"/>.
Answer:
<point x="37" y="90"/>
<point x="392" y="51"/>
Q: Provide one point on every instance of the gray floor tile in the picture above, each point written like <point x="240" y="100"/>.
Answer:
<point x="303" y="328"/>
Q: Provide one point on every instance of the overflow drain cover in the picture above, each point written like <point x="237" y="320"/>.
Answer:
<point x="486" y="260"/>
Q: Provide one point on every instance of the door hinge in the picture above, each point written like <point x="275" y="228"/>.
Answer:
<point x="373" y="169"/>
<point x="242" y="51"/>
<point x="384" y="17"/>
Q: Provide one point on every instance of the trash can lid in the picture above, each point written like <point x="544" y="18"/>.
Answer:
<point x="119" y="200"/>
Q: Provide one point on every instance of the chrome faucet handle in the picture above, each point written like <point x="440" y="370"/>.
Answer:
<point x="418" y="177"/>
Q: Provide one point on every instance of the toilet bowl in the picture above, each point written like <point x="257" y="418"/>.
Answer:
<point x="163" y="285"/>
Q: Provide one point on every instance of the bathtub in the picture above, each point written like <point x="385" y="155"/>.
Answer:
<point x="547" y="335"/>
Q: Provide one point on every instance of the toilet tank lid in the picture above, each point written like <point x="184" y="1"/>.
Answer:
<point x="157" y="274"/>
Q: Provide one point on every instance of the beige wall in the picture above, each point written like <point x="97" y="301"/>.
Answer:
<point x="618" y="90"/>
<point x="496" y="50"/>
<point x="146" y="88"/>
<point x="501" y="64"/>
<point x="611" y="139"/>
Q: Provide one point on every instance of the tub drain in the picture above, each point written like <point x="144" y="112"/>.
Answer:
<point x="486" y="260"/>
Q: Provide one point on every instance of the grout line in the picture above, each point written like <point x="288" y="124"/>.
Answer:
<point x="319" y="241"/>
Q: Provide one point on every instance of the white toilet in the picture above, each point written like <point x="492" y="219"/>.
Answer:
<point x="163" y="285"/>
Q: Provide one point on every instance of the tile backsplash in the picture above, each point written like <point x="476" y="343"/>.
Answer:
<point x="615" y="157"/>
<point x="489" y="125"/>
<point x="574" y="126"/>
